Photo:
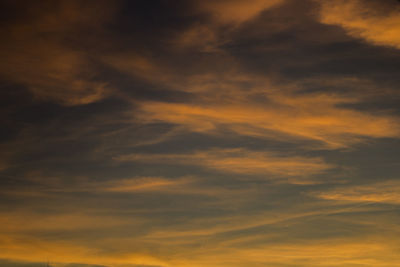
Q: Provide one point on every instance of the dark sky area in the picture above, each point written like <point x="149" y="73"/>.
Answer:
<point x="193" y="133"/>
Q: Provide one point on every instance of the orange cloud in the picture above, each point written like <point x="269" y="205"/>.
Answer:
<point x="221" y="240"/>
<point x="208" y="36"/>
<point x="14" y="222"/>
<point x="332" y="252"/>
<point x="63" y="253"/>
<point x="256" y="106"/>
<point x="145" y="184"/>
<point x="36" y="55"/>
<point x="384" y="192"/>
<point x="315" y="117"/>
<point x="239" y="161"/>
<point x="55" y="73"/>
<point x="139" y="66"/>
<point x="236" y="11"/>
<point x="328" y="253"/>
<point x="363" y="20"/>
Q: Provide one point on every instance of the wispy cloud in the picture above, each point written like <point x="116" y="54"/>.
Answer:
<point x="375" y="22"/>
<point x="383" y="192"/>
<point x="316" y="117"/>
<point x="145" y="184"/>
<point x="222" y="18"/>
<point x="36" y="53"/>
<point x="239" y="161"/>
<point x="221" y="133"/>
<point x="223" y="11"/>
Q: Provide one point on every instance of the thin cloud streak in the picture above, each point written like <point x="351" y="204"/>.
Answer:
<point x="223" y="11"/>
<point x="386" y="192"/>
<point x="239" y="161"/>
<point x="316" y="117"/>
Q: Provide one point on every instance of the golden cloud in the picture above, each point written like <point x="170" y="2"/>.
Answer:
<point x="207" y="36"/>
<point x="328" y="253"/>
<point x="332" y="252"/>
<point x="384" y="192"/>
<point x="217" y="240"/>
<point x="315" y="117"/>
<point x="258" y="106"/>
<point x="361" y="19"/>
<point x="145" y="184"/>
<point x="240" y="161"/>
<point x="63" y="253"/>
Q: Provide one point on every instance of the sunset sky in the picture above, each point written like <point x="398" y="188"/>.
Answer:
<point x="200" y="133"/>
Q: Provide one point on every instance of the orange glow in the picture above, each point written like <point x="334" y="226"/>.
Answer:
<point x="200" y="133"/>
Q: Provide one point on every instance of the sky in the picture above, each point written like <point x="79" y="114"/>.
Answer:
<point x="192" y="133"/>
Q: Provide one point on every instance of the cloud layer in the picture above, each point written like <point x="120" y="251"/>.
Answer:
<point x="199" y="133"/>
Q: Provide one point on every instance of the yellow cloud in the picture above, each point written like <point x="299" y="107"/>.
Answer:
<point x="362" y="20"/>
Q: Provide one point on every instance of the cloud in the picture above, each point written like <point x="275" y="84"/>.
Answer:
<point x="37" y="51"/>
<point x="63" y="253"/>
<point x="54" y="73"/>
<point x="223" y="16"/>
<point x="56" y="222"/>
<point x="145" y="184"/>
<point x="260" y="105"/>
<point x="239" y="161"/>
<point x="329" y="253"/>
<point x="268" y="245"/>
<point x="220" y="240"/>
<point x="316" y="117"/>
<point x="209" y="147"/>
<point x="8" y="263"/>
<point x="383" y="192"/>
<point x="123" y="237"/>
<point x="236" y="11"/>
<point x="365" y="19"/>
<point x="136" y="65"/>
